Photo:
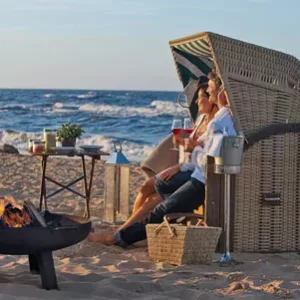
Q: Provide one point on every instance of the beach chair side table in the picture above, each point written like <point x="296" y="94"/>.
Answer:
<point x="88" y="182"/>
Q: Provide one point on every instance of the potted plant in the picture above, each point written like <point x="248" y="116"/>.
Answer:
<point x="68" y="133"/>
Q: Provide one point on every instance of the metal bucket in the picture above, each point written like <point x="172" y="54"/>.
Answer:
<point x="230" y="159"/>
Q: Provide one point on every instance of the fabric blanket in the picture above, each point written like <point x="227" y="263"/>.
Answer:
<point x="161" y="158"/>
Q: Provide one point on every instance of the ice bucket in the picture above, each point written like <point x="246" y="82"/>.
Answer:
<point x="231" y="153"/>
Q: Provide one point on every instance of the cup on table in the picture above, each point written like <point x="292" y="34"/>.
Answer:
<point x="50" y="139"/>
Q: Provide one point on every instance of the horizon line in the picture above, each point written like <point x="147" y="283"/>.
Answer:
<point x="84" y="89"/>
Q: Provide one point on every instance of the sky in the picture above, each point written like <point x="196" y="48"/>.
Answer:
<point x="123" y="44"/>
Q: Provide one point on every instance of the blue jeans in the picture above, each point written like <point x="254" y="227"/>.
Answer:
<point x="185" y="199"/>
<point x="167" y="187"/>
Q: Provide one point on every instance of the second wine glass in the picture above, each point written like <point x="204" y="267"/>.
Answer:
<point x="187" y="126"/>
<point x="176" y="129"/>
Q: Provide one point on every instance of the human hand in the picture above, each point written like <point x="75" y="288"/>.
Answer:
<point x="189" y="145"/>
<point x="222" y="98"/>
<point x="177" y="140"/>
<point x="170" y="172"/>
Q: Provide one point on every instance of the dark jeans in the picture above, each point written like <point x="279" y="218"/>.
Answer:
<point x="185" y="199"/>
<point x="167" y="187"/>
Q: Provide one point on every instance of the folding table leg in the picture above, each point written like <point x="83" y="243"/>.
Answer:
<point x="43" y="182"/>
<point x="86" y="211"/>
<point x="90" y="187"/>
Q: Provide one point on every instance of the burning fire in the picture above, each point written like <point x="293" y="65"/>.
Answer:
<point x="11" y="214"/>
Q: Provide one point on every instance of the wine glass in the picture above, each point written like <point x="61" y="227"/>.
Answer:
<point x="176" y="129"/>
<point x="187" y="126"/>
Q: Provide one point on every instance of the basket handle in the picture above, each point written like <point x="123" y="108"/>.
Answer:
<point x="183" y="215"/>
<point x="166" y="222"/>
<point x="170" y="217"/>
<point x="201" y="223"/>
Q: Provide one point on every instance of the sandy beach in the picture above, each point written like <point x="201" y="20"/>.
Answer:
<point x="92" y="271"/>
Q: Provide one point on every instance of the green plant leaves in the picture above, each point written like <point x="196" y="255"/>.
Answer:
<point x="70" y="131"/>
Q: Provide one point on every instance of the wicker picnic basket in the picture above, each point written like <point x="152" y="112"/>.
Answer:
<point x="180" y="244"/>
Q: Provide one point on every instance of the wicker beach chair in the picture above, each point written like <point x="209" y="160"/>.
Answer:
<point x="263" y="87"/>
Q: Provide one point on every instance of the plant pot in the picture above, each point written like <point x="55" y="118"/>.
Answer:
<point x="68" y="142"/>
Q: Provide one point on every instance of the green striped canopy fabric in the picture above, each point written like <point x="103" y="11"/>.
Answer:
<point x="193" y="58"/>
<point x="199" y="47"/>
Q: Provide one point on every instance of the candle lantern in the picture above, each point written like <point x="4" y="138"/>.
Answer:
<point x="117" y="176"/>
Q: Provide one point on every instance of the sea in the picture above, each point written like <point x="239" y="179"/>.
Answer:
<point x="137" y="119"/>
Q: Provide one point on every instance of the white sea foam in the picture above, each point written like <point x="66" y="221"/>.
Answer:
<point x="65" y="105"/>
<point x="156" y="108"/>
<point x="132" y="151"/>
<point x="60" y="107"/>
<point x="48" y="95"/>
<point x="15" y="106"/>
<point x="31" y="107"/>
<point x="17" y="139"/>
<point x="87" y="96"/>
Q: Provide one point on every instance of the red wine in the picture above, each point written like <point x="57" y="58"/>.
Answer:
<point x="176" y="131"/>
<point x="188" y="130"/>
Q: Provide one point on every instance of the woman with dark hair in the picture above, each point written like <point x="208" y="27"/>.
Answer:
<point x="147" y="198"/>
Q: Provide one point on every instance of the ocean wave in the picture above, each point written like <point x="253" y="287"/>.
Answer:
<point x="89" y="95"/>
<point x="17" y="139"/>
<point x="65" y="105"/>
<point x="168" y="107"/>
<point x="14" y="107"/>
<point x="133" y="151"/>
<point x="60" y="107"/>
<point x="48" y="95"/>
<point x="23" y="107"/>
<point x="126" y="96"/>
<point x="156" y="108"/>
<point x="57" y="107"/>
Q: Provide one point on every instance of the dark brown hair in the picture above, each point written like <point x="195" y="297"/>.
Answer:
<point x="202" y="84"/>
<point x="203" y="87"/>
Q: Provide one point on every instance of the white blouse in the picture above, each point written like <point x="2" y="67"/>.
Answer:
<point x="221" y="125"/>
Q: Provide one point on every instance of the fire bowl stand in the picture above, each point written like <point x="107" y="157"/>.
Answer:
<point x="42" y="263"/>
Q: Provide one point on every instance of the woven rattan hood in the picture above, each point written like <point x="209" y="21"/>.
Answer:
<point x="263" y="85"/>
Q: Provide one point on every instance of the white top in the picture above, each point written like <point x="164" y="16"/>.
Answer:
<point x="185" y="157"/>
<point x="221" y="125"/>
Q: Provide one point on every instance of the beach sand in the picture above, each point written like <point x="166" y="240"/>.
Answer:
<point x="93" y="271"/>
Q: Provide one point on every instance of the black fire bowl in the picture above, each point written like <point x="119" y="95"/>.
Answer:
<point x="39" y="242"/>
